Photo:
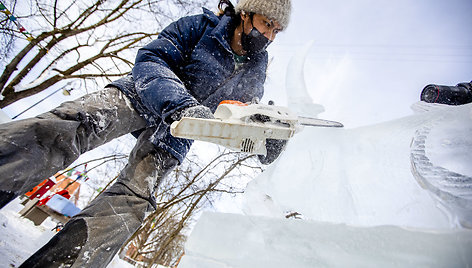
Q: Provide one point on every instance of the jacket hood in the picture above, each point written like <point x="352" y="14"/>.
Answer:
<point x="220" y="32"/>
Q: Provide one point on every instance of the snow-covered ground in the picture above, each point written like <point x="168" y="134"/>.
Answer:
<point x="4" y="117"/>
<point x="19" y="237"/>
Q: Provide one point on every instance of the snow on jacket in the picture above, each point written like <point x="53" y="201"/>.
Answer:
<point x="190" y="63"/>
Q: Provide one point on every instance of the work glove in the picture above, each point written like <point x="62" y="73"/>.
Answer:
<point x="274" y="148"/>
<point x="198" y="111"/>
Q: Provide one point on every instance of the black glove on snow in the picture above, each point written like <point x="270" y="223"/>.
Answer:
<point x="274" y="148"/>
<point x="460" y="94"/>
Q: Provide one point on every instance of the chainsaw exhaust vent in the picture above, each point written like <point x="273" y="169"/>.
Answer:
<point x="248" y="146"/>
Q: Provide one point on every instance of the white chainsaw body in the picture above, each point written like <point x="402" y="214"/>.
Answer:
<point x="241" y="128"/>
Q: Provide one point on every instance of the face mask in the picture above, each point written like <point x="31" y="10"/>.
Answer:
<point x="255" y="41"/>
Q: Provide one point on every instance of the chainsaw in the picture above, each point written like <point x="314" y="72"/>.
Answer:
<point x="245" y="127"/>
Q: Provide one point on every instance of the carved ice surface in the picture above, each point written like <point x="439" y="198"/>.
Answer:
<point x="394" y="194"/>
<point x="374" y="175"/>
<point x="237" y="241"/>
<point x="441" y="159"/>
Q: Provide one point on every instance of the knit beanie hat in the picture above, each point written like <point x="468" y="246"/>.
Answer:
<point x="278" y="10"/>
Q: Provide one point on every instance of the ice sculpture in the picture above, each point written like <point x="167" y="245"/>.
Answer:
<point x="413" y="172"/>
<point x="395" y="194"/>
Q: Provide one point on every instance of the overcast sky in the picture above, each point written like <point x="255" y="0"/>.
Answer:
<point x="370" y="59"/>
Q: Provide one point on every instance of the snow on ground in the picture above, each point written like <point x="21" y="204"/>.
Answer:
<point x="19" y="237"/>
<point x="4" y="117"/>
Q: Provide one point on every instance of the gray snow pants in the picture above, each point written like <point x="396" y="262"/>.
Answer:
<point x="36" y="148"/>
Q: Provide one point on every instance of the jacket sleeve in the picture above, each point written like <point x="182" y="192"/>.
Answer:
<point x="154" y="72"/>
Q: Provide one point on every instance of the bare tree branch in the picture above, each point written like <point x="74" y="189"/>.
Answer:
<point x="100" y="25"/>
<point x="160" y="239"/>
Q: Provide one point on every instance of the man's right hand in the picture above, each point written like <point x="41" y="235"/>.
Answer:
<point x="198" y="111"/>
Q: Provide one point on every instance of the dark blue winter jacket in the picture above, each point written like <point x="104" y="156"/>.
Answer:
<point x="190" y="63"/>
